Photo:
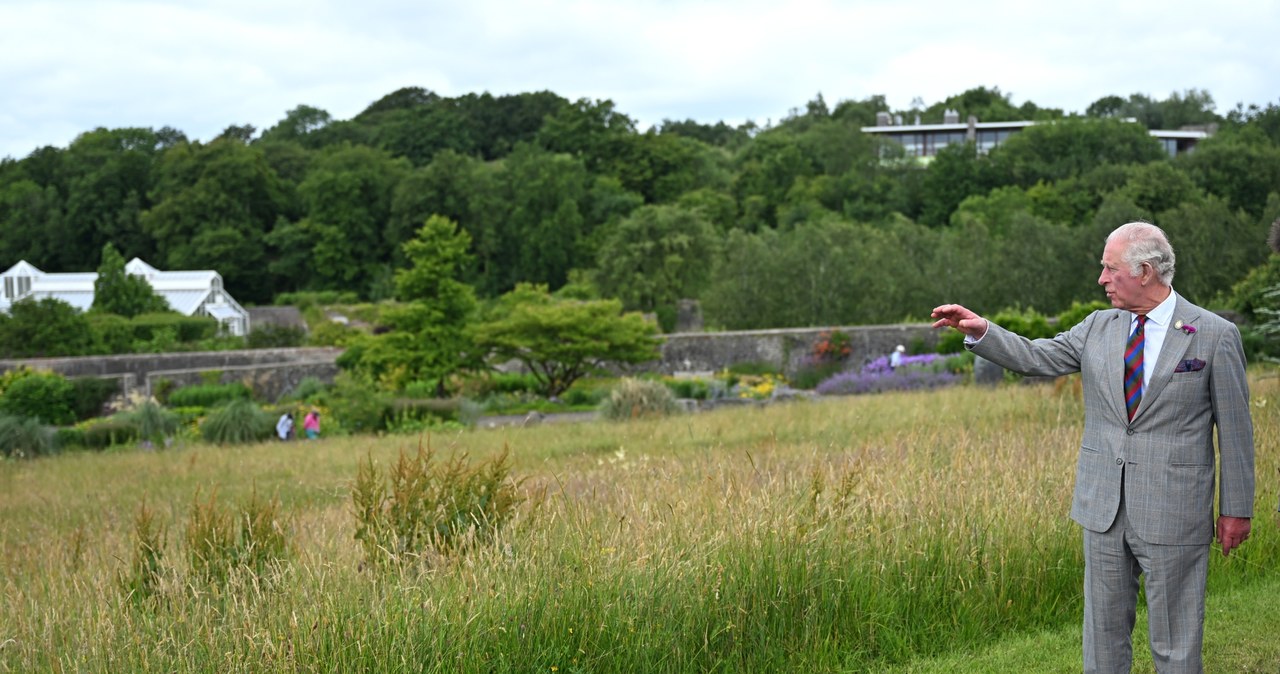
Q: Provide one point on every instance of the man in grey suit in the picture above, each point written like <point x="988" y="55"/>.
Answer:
<point x="1158" y="374"/>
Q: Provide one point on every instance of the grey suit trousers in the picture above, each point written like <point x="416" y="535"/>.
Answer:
<point x="1175" y="584"/>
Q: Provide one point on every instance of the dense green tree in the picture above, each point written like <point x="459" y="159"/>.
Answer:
<point x="297" y="125"/>
<point x="825" y="272"/>
<point x="655" y="257"/>
<point x="425" y="339"/>
<point x="767" y="171"/>
<point x="955" y="173"/>
<point x="106" y="177"/>
<point x="465" y="190"/>
<point x="347" y="196"/>
<point x="545" y="233"/>
<point x="30" y="217"/>
<point x="44" y="328"/>
<point x="988" y="105"/>
<point x="718" y="134"/>
<point x="1068" y="148"/>
<point x="215" y="204"/>
<point x="561" y="340"/>
<point x="120" y="293"/>
<point x="1240" y="165"/>
<point x="1216" y="246"/>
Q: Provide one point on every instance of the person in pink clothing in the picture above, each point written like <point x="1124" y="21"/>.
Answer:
<point x="312" y="425"/>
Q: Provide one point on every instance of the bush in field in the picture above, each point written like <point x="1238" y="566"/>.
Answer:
<point x="46" y="396"/>
<point x="208" y="395"/>
<point x="143" y="579"/>
<point x="23" y="437"/>
<point x="220" y="542"/>
<point x="639" y="398"/>
<point x="431" y="507"/>
<point x="239" y="421"/>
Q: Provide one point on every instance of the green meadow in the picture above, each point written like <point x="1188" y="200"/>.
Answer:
<point x="904" y="532"/>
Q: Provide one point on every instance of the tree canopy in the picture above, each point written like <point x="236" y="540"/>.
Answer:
<point x="783" y="223"/>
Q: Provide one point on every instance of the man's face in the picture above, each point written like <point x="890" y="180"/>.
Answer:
<point x="1124" y="291"/>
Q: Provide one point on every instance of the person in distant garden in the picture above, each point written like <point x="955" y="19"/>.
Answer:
<point x="311" y="425"/>
<point x="284" y="427"/>
<point x="1159" y="374"/>
<point x="895" y="358"/>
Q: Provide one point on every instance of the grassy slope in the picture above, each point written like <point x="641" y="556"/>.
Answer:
<point x="1239" y="637"/>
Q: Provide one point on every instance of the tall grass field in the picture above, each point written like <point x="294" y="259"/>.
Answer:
<point x="917" y="531"/>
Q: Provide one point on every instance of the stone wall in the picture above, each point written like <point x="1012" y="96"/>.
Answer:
<point x="274" y="372"/>
<point x="788" y="350"/>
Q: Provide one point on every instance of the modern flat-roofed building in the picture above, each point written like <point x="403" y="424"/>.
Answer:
<point x="925" y="140"/>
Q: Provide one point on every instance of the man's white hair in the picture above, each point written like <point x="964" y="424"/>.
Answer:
<point x="1146" y="243"/>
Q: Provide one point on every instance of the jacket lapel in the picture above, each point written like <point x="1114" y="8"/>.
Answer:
<point x="1117" y="337"/>
<point x="1176" y="343"/>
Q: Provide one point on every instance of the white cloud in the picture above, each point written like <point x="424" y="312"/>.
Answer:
<point x="68" y="66"/>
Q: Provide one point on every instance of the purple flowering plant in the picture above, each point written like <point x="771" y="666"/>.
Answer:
<point x="921" y="372"/>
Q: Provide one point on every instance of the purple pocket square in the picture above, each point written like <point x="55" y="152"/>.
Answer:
<point x="1190" y="365"/>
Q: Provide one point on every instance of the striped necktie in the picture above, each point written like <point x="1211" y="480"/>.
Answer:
<point x="1133" y="368"/>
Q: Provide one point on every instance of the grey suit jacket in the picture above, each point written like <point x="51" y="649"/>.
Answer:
<point x="1164" y="458"/>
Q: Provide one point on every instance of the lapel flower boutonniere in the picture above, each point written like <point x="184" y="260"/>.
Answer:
<point x="1189" y="329"/>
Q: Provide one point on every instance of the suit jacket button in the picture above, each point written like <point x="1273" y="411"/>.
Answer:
<point x="1128" y="431"/>
<point x="1119" y="462"/>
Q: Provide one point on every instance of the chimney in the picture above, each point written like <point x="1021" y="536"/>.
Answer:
<point x="883" y="119"/>
<point x="950" y="116"/>
<point x="897" y="120"/>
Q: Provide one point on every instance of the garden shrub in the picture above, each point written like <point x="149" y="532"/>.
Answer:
<point x="146" y="327"/>
<point x="208" y="395"/>
<point x="1077" y="312"/>
<point x="105" y="433"/>
<point x="1029" y="323"/>
<point x="416" y="414"/>
<point x="65" y="437"/>
<point x="307" y="389"/>
<point x="90" y="396"/>
<point x="924" y="371"/>
<point x="752" y="368"/>
<point x="582" y="396"/>
<point x="24" y="437"/>
<point x="695" y="389"/>
<point x="275" y="337"/>
<point x="638" y="398"/>
<point x="46" y="396"/>
<point x="356" y="406"/>
<point x="239" y="421"/>
<point x="153" y="422"/>
<point x="304" y="299"/>
<point x="111" y="333"/>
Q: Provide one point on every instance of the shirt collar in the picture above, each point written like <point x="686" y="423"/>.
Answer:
<point x="1163" y="313"/>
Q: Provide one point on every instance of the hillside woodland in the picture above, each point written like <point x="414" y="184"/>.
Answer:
<point x="806" y="221"/>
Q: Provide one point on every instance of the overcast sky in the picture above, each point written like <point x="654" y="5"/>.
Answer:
<point x="69" y="66"/>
